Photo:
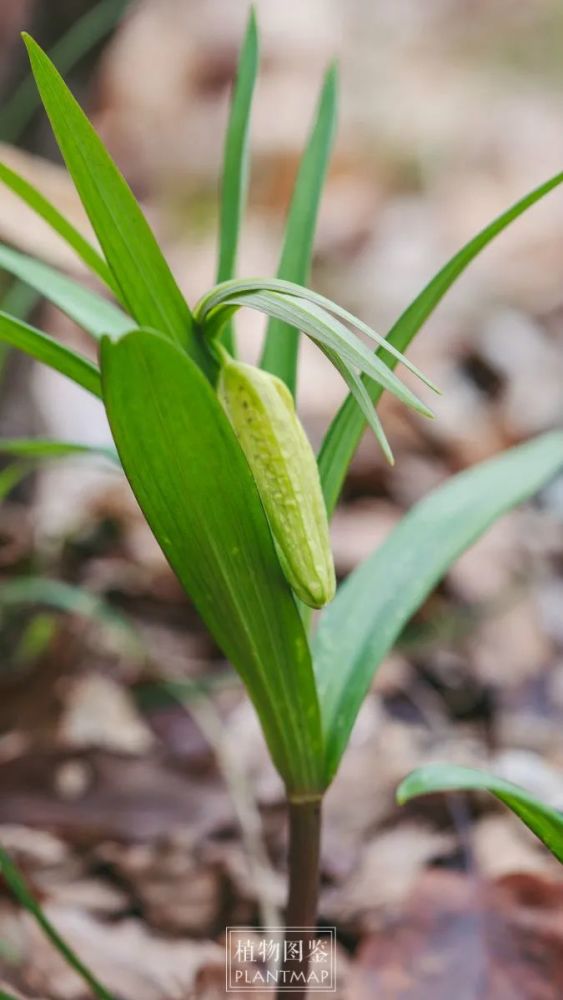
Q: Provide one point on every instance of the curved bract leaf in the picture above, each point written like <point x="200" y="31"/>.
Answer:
<point x="346" y="429"/>
<point x="370" y="609"/>
<point x="148" y="288"/>
<point x="545" y="822"/>
<point x="224" y="293"/>
<point x="282" y="340"/>
<point x="40" y="448"/>
<point x="323" y="328"/>
<point x="196" y="491"/>
<point x="44" y="348"/>
<point x="51" y="215"/>
<point x="234" y="185"/>
<point x="92" y="312"/>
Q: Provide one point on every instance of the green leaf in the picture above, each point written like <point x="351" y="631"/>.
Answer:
<point x="196" y="491"/>
<point x="73" y="600"/>
<point x="92" y="312"/>
<point x="282" y="340"/>
<point x="16" y="882"/>
<point x="83" y="35"/>
<point x="46" y="211"/>
<point x="346" y="429"/>
<point x="147" y="286"/>
<point x="11" y="476"/>
<point x="545" y="822"/>
<point x="40" y="448"/>
<point x="321" y="327"/>
<point x="235" y="162"/>
<point x="372" y="606"/>
<point x="44" y="348"/>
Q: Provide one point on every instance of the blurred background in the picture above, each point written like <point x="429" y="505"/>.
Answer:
<point x="135" y="790"/>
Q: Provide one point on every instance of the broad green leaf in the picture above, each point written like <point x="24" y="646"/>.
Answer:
<point x="147" y="286"/>
<point x="42" y="207"/>
<point x="40" y="448"/>
<point x="545" y="822"/>
<point x="92" y="312"/>
<point x="282" y="340"/>
<point x="234" y="186"/>
<point x="221" y="294"/>
<point x="370" y="609"/>
<point x="325" y="330"/>
<point x="346" y="429"/>
<point x="83" y="35"/>
<point x="196" y="491"/>
<point x="19" y="887"/>
<point x="44" y="348"/>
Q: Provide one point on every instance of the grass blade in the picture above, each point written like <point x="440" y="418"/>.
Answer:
<point x="372" y="606"/>
<point x="235" y="162"/>
<point x="147" y="286"/>
<point x="38" y="448"/>
<point x="51" y="215"/>
<point x="196" y="490"/>
<point x="346" y="429"/>
<point x="92" y="312"/>
<point x="16" y="882"/>
<point x="44" y="348"/>
<point x="81" y="37"/>
<point x="545" y="822"/>
<point x="282" y="341"/>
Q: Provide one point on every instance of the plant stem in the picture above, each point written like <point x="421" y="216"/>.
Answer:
<point x="304" y="852"/>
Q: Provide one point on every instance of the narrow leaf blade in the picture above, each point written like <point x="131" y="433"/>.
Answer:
<point x="92" y="312"/>
<point x="41" y="448"/>
<point x="282" y="340"/>
<point x="44" y="348"/>
<point x="195" y="488"/>
<point x="346" y="429"/>
<point x="370" y="609"/>
<point x="545" y="822"/>
<point x="235" y="162"/>
<point x="147" y="286"/>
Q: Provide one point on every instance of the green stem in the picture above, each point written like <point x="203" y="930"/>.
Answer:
<point x="304" y="856"/>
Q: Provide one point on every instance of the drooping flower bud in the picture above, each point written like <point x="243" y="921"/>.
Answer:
<point x="262" y="413"/>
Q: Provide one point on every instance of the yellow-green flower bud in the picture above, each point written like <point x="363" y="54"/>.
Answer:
<point x="262" y="413"/>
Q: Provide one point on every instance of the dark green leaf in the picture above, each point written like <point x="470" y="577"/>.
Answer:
<point x="147" y="286"/>
<point x="92" y="312"/>
<point x="235" y="162"/>
<point x="545" y="822"/>
<point x="281" y="346"/>
<point x="347" y="427"/>
<point x="47" y="350"/>
<point x="370" y="609"/>
<point x="195" y="488"/>
<point x="46" y="211"/>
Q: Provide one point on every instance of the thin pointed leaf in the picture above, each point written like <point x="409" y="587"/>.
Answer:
<point x="346" y="429"/>
<point x="16" y="882"/>
<point x="222" y="293"/>
<point x="372" y="606"/>
<point x="51" y="215"/>
<point x="545" y="822"/>
<point x="44" y="348"/>
<point x="148" y="288"/>
<point x="329" y="332"/>
<point x="11" y="476"/>
<point x="82" y="36"/>
<point x="39" y="448"/>
<point x="235" y="162"/>
<point x="196" y="491"/>
<point x="361" y="395"/>
<point x="92" y="312"/>
<point x="282" y="340"/>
